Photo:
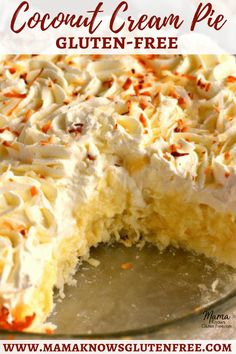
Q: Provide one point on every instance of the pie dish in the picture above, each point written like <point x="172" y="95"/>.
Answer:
<point x="97" y="149"/>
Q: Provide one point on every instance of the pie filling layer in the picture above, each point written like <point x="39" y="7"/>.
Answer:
<point x="101" y="149"/>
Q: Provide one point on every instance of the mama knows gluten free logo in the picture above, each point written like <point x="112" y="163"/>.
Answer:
<point x="212" y="319"/>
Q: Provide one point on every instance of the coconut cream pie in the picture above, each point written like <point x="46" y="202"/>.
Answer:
<point x="101" y="148"/>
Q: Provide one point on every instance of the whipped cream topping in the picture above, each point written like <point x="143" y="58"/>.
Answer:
<point x="160" y="123"/>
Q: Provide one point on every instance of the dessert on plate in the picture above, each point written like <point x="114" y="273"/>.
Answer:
<point x="110" y="148"/>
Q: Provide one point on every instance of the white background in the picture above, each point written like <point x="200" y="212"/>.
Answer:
<point x="203" y="40"/>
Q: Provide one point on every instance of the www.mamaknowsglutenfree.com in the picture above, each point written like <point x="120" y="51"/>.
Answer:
<point x="115" y="347"/>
